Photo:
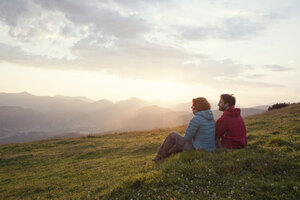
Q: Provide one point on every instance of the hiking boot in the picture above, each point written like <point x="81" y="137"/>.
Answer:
<point x="157" y="158"/>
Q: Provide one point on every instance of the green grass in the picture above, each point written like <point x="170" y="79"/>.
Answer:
<point x="119" y="166"/>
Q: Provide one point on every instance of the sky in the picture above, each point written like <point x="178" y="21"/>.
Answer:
<point x="154" y="50"/>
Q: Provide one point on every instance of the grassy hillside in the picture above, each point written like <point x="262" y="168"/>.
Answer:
<point x="119" y="166"/>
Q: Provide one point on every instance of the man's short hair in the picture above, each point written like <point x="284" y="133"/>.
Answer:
<point x="201" y="103"/>
<point x="228" y="98"/>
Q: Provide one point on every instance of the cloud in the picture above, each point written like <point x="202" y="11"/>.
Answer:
<point x="30" y="19"/>
<point x="145" y="65"/>
<point x="254" y="84"/>
<point x="15" y="12"/>
<point x="133" y="4"/>
<point x="110" y="36"/>
<point x="235" y="28"/>
<point x="17" y="55"/>
<point x="240" y="28"/>
<point x="140" y="59"/>
<point x="21" y="17"/>
<point x="105" y="19"/>
<point x="277" y="68"/>
<point x="28" y="22"/>
<point x="106" y="38"/>
<point x="256" y="76"/>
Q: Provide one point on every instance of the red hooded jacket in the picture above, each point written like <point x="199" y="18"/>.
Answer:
<point x="231" y="129"/>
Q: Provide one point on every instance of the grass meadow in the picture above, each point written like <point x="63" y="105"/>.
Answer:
<point x="119" y="166"/>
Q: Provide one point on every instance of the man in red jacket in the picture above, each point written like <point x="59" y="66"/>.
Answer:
<point x="230" y="127"/>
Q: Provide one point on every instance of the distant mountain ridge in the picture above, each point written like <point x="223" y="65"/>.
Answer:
<point x="81" y="98"/>
<point x="25" y="116"/>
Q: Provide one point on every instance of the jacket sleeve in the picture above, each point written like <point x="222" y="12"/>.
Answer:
<point x="221" y="128"/>
<point x="192" y="129"/>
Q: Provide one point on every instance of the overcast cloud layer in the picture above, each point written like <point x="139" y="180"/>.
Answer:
<point x="151" y="40"/>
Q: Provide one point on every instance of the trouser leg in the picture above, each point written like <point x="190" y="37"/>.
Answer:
<point x="188" y="146"/>
<point x="173" y="143"/>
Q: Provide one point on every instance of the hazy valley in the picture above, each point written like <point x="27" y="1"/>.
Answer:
<point x="25" y="117"/>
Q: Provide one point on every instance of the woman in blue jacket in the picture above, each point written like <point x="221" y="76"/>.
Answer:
<point x="200" y="133"/>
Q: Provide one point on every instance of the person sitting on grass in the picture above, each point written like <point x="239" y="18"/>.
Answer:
<point x="230" y="127"/>
<point x="200" y="133"/>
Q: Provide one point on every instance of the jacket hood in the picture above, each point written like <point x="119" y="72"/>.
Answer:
<point x="206" y="114"/>
<point x="233" y="112"/>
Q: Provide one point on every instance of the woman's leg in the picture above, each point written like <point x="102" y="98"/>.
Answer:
<point x="188" y="146"/>
<point x="173" y="143"/>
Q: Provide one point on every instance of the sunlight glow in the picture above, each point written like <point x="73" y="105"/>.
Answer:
<point x="94" y="85"/>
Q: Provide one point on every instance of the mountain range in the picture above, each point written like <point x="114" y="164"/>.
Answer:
<point x="26" y="117"/>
